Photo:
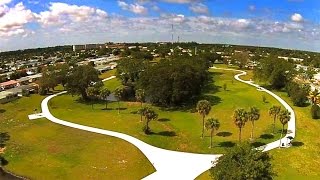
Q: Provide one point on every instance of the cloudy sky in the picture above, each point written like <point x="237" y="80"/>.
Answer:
<point x="278" y="23"/>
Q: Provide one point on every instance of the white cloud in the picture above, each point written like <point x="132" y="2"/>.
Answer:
<point x="135" y="8"/>
<point x="4" y="2"/>
<point x="252" y="7"/>
<point x="296" y="17"/>
<point x="199" y="8"/>
<point x="61" y="13"/>
<point x="14" y="19"/>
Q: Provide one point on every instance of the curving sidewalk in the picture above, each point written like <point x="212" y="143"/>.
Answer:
<point x="291" y="124"/>
<point x="169" y="164"/>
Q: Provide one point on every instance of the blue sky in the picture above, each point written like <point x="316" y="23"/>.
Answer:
<point x="278" y="23"/>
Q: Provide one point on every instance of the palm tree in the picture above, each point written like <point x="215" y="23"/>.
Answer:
<point x="284" y="118"/>
<point x="274" y="111"/>
<point x="140" y="96"/>
<point x="212" y="124"/>
<point x="314" y="97"/>
<point x="149" y="116"/>
<point x="104" y="95"/>
<point x="203" y="107"/>
<point x="240" y="117"/>
<point x="118" y="93"/>
<point x="253" y="115"/>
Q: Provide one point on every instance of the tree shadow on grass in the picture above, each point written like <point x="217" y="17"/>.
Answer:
<point x="121" y="109"/>
<point x="297" y="144"/>
<point x="224" y="134"/>
<point x="284" y="131"/>
<point x="107" y="109"/>
<point x="227" y="144"/>
<point x="164" y="133"/>
<point x="163" y="119"/>
<point x="2" y="110"/>
<point x="134" y="112"/>
<point x="4" y="137"/>
<point x="3" y="161"/>
<point x="257" y="144"/>
<point x="214" y="100"/>
<point x="266" y="136"/>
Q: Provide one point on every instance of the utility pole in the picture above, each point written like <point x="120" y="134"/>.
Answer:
<point x="172" y="33"/>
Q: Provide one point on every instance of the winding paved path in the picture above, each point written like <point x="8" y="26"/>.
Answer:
<point x="168" y="164"/>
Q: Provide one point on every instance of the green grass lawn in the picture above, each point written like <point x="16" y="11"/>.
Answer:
<point x="107" y="74"/>
<point x="40" y="149"/>
<point x="180" y="129"/>
<point x="112" y="84"/>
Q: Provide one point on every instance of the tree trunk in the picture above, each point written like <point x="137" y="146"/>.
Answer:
<point x="147" y="125"/>
<point x="252" y="130"/>
<point x="240" y="134"/>
<point x="211" y="139"/>
<point x="274" y="123"/>
<point x="118" y="107"/>
<point x="281" y="135"/>
<point x="84" y="95"/>
<point x="106" y="104"/>
<point x="202" y="126"/>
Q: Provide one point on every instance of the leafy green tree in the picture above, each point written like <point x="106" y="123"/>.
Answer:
<point x="173" y="82"/>
<point x="274" y="111"/>
<point x="203" y="108"/>
<point x="212" y="125"/>
<point x="243" y="163"/>
<point x="104" y="93"/>
<point x="93" y="93"/>
<point x="240" y="117"/>
<point x="118" y="93"/>
<point x="253" y="115"/>
<point x="149" y="116"/>
<point x="298" y="93"/>
<point x="129" y="70"/>
<point x="62" y="73"/>
<point x="140" y="96"/>
<point x="277" y="72"/>
<point x="241" y="58"/>
<point x="48" y="79"/>
<point x="80" y="78"/>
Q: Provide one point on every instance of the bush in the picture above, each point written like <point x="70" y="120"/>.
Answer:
<point x="25" y="92"/>
<point x="43" y="91"/>
<point x="242" y="162"/>
<point x="315" y="111"/>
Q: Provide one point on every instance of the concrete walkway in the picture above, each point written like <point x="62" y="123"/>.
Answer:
<point x="291" y="124"/>
<point x="168" y="164"/>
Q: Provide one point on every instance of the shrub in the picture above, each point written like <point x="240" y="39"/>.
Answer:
<point x="315" y="111"/>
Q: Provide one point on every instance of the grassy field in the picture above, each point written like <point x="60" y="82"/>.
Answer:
<point x="40" y="149"/>
<point x="179" y="129"/>
<point x="300" y="161"/>
<point x="107" y="74"/>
